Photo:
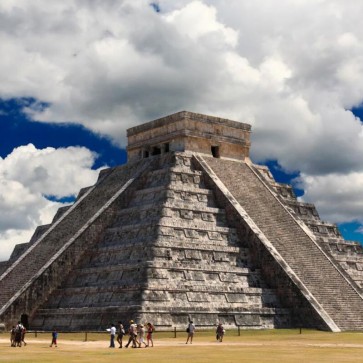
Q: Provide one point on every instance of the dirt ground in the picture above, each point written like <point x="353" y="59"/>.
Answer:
<point x="251" y="347"/>
<point x="178" y="343"/>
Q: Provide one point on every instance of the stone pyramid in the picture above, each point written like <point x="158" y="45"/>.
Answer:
<point x="189" y="228"/>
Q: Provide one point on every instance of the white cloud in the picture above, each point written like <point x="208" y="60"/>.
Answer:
<point x="336" y="196"/>
<point x="198" y="22"/>
<point x="27" y="175"/>
<point x="39" y="169"/>
<point x="291" y="70"/>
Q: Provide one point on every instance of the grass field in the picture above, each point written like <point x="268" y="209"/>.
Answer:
<point x="251" y="346"/>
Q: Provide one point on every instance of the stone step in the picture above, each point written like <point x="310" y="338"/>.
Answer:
<point x="202" y="197"/>
<point x="98" y="311"/>
<point x="171" y="246"/>
<point x="231" y="292"/>
<point x="167" y="227"/>
<point x="173" y="205"/>
<point x="160" y="255"/>
<point x="154" y="237"/>
<point x="174" y="175"/>
<point x="168" y="266"/>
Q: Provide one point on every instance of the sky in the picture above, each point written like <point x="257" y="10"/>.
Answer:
<point x="75" y="74"/>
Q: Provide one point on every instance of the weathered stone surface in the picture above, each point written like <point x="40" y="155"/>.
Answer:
<point x="188" y="131"/>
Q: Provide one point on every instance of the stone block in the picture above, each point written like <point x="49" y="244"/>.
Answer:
<point x="248" y="320"/>
<point x="236" y="298"/>
<point x="155" y="296"/>
<point x="198" y="297"/>
<point x="193" y="254"/>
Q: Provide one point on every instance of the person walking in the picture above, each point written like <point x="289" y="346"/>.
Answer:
<point x="112" y="335"/>
<point x="220" y="332"/>
<point x="120" y="334"/>
<point x="23" y="332"/>
<point x="18" y="332"/>
<point x="132" y="335"/>
<point x="190" y="331"/>
<point x="54" y="338"/>
<point x="12" y="336"/>
<point x="149" y="337"/>
<point x="141" y="335"/>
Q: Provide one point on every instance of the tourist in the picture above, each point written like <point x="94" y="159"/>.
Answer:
<point x="149" y="337"/>
<point x="121" y="333"/>
<point x="54" y="338"/>
<point x="190" y="331"/>
<point x="132" y="335"/>
<point x="23" y="332"/>
<point x="220" y="332"/>
<point x="12" y="336"/>
<point x="141" y="335"/>
<point x="18" y="332"/>
<point x="112" y="331"/>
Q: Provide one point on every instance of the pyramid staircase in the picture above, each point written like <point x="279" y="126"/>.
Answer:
<point x="348" y="254"/>
<point x="334" y="296"/>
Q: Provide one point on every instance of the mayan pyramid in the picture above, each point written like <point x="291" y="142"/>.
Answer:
<point x="189" y="228"/>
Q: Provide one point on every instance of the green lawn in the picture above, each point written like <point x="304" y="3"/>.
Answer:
<point x="251" y="346"/>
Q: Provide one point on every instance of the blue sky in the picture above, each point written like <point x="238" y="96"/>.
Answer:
<point x="75" y="75"/>
<point x="16" y="130"/>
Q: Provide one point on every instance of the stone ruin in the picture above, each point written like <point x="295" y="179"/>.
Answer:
<point x="189" y="228"/>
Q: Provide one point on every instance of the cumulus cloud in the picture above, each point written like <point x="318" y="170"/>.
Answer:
<point x="337" y="196"/>
<point x="293" y="71"/>
<point x="27" y="177"/>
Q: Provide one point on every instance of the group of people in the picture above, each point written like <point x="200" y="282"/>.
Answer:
<point x="17" y="335"/>
<point x="136" y="333"/>
<point x="220" y="331"/>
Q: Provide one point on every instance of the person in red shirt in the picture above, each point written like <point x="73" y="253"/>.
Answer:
<point x="149" y="337"/>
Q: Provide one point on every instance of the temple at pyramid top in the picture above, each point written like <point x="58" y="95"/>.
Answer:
<point x="188" y="131"/>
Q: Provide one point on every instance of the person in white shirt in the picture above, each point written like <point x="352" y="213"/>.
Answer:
<point x="190" y="331"/>
<point x="132" y="335"/>
<point x="112" y="335"/>
<point x="141" y="335"/>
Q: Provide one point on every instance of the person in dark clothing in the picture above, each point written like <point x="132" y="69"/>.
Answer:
<point x="120" y="334"/>
<point x="54" y="338"/>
